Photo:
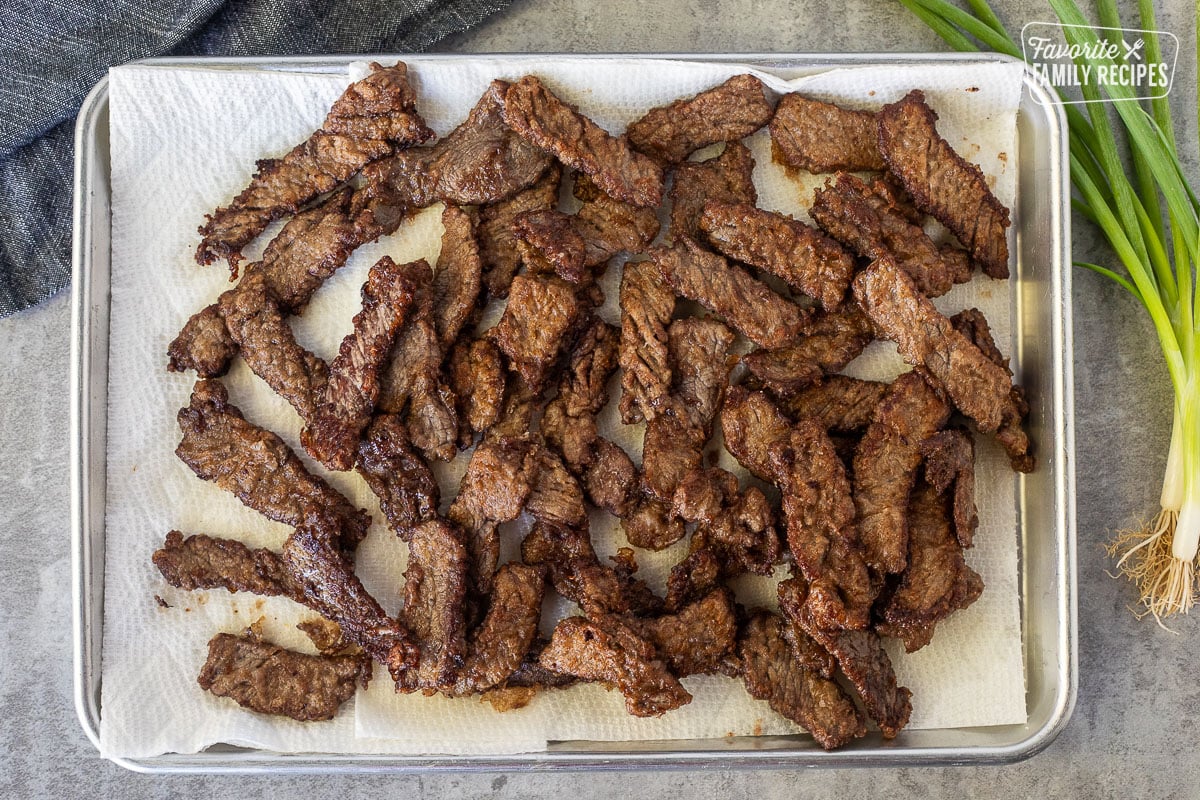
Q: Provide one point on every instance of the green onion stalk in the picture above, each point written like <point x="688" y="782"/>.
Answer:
<point x="1150" y="215"/>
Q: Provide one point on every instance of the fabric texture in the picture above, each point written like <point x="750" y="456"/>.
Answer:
<point x="53" y="51"/>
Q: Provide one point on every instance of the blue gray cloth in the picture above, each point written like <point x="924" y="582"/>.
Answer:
<point x="53" y="51"/>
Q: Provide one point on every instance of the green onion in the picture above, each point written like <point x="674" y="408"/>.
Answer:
<point x="1150" y="216"/>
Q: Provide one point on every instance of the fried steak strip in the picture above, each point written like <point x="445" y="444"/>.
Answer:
<point x="577" y="574"/>
<point x="831" y="341"/>
<point x="497" y="242"/>
<point x="943" y="183"/>
<point x="573" y="245"/>
<point x="950" y="461"/>
<point x="805" y="258"/>
<point x="494" y="490"/>
<point x="435" y="586"/>
<point x="206" y="562"/>
<point x="499" y="645"/>
<point x="254" y="464"/>
<point x="534" y="112"/>
<point x="370" y="120"/>
<point x="861" y="657"/>
<point x="729" y="291"/>
<point x="822" y="137"/>
<point x="272" y="680"/>
<point x="725" y="113"/>
<point x="539" y="314"/>
<point x="773" y="672"/>
<point x="481" y="161"/>
<point x="458" y="279"/>
<point x="840" y="403"/>
<point x="607" y="651"/>
<point x="727" y="178"/>
<point x="869" y="224"/>
<point x="1012" y="437"/>
<point x="976" y="385"/>
<point x="736" y="526"/>
<point x="885" y="467"/>
<point x="751" y="424"/>
<point x="476" y="373"/>
<point x="821" y="530"/>
<point x="333" y="590"/>
<point x="407" y="490"/>
<point x="347" y="401"/>
<point x="413" y="378"/>
<point x="697" y="639"/>
<point x="647" y="305"/>
<point x="937" y="581"/>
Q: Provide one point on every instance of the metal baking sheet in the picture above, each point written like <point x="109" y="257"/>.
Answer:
<point x="1042" y="355"/>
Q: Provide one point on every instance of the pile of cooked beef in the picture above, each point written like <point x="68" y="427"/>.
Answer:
<point x="866" y="489"/>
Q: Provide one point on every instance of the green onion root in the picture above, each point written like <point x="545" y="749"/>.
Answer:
<point x="1161" y="557"/>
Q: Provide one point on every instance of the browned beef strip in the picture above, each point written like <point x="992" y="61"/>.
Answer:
<point x="652" y="525"/>
<point x="499" y="645"/>
<point x="738" y="526"/>
<point x="694" y="577"/>
<point x="697" y="638"/>
<point x="435" y="585"/>
<point x="865" y="663"/>
<point x="498" y="481"/>
<point x="204" y="562"/>
<point x="728" y="290"/>
<point x="407" y="490"/>
<point x="459" y="276"/>
<point x="516" y="413"/>
<point x="480" y="161"/>
<point x="476" y="374"/>
<point x="840" y="403"/>
<point x="268" y="346"/>
<point x="204" y="345"/>
<point x="312" y="246"/>
<point x="647" y="305"/>
<point x="497" y="242"/>
<point x="675" y="439"/>
<point x="611" y="480"/>
<point x="751" y="423"/>
<point x="773" y="673"/>
<point x="610" y="226"/>
<point x="972" y="324"/>
<point x="609" y="652"/>
<point x="849" y="211"/>
<point x="728" y="178"/>
<point x="806" y="259"/>
<point x="977" y="386"/>
<point x="332" y="588"/>
<point x="556" y="497"/>
<point x="370" y="119"/>
<point x="271" y="680"/>
<point x="937" y="581"/>
<point x="539" y="314"/>
<point x="822" y="137"/>
<point x="793" y="593"/>
<point x="221" y="446"/>
<point x="821" y="532"/>
<point x="833" y="340"/>
<point x="950" y="459"/>
<point x="533" y="111"/>
<point x="550" y="243"/>
<point x="345" y="405"/>
<point x="885" y="467"/>
<point x="943" y="183"/>
<point x="725" y="113"/>
<point x="578" y="575"/>
<point x="414" y="378"/>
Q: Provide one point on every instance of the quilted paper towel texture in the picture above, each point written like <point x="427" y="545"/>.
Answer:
<point x="183" y="142"/>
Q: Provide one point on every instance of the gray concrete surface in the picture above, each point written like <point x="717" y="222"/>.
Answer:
<point x="1130" y="736"/>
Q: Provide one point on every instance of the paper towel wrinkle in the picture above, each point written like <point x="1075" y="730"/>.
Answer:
<point x="185" y="141"/>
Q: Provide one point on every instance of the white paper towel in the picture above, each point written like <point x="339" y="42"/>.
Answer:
<point x="184" y="140"/>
